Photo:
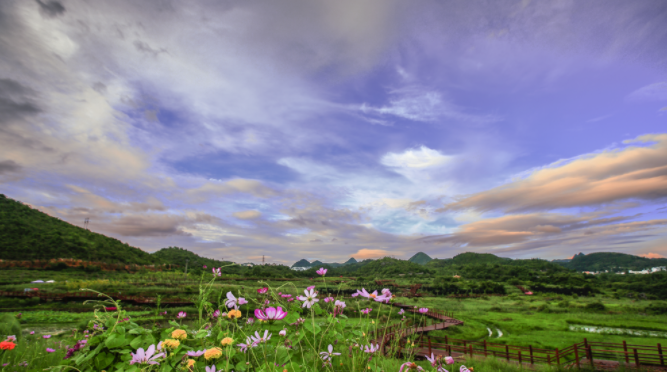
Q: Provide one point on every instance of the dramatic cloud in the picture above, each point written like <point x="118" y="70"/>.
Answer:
<point x="635" y="172"/>
<point x="651" y="255"/>
<point x="363" y="254"/>
<point x="247" y="215"/>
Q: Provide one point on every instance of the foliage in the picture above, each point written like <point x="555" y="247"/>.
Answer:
<point x="178" y="256"/>
<point x="9" y="325"/>
<point x="420" y="258"/>
<point x="612" y="261"/>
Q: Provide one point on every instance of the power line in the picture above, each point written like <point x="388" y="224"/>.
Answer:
<point x="85" y="223"/>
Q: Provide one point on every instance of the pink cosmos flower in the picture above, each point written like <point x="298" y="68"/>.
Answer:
<point x="196" y="353"/>
<point x="386" y="292"/>
<point x="328" y="299"/>
<point x="355" y="294"/>
<point x="372" y="349"/>
<point x="47" y="336"/>
<point x="286" y="295"/>
<point x="449" y="360"/>
<point x="267" y="302"/>
<point x="146" y="356"/>
<point x="401" y="312"/>
<point x="366" y="311"/>
<point x="374" y="295"/>
<point x="257" y="339"/>
<point x="310" y="288"/>
<point x="262" y="290"/>
<point x="309" y="299"/>
<point x="217" y="272"/>
<point x="327" y="355"/>
<point x="212" y="369"/>
<point x="410" y="366"/>
<point x="181" y="315"/>
<point x="11" y="338"/>
<point x="283" y="333"/>
<point x="250" y="321"/>
<point x="290" y="299"/>
<point x="216" y="313"/>
<point x="322" y="271"/>
<point x="423" y="310"/>
<point x="232" y="301"/>
<point x="463" y="369"/>
<point x="49" y="350"/>
<point x="271" y="313"/>
<point x="204" y="266"/>
<point x="32" y="332"/>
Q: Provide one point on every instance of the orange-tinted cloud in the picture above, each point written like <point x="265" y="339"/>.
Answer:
<point x="363" y="254"/>
<point x="635" y="172"/>
<point x="652" y="255"/>
<point x="247" y="215"/>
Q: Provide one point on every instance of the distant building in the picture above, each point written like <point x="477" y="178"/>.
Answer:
<point x="300" y="268"/>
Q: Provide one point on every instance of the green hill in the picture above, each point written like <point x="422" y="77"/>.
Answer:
<point x="420" y="258"/>
<point x="301" y="263"/>
<point x="317" y="263"/>
<point x="601" y="261"/>
<point x="178" y="256"/>
<point x="350" y="261"/>
<point x="28" y="234"/>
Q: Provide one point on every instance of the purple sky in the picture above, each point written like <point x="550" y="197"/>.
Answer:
<point x="324" y="130"/>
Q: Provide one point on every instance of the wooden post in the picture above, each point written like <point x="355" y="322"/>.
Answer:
<point x="662" y="361"/>
<point x="576" y="355"/>
<point x="548" y="359"/>
<point x="530" y="348"/>
<point x="519" y="357"/>
<point x="636" y="358"/>
<point x="557" y="358"/>
<point x="507" y="352"/>
<point x="485" y="354"/>
<point x="585" y="343"/>
<point x="471" y="350"/>
<point x="625" y="348"/>
<point x="590" y="356"/>
<point x="429" y="345"/>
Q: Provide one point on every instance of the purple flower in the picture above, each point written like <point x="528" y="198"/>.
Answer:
<point x="211" y="369"/>
<point x="374" y="295"/>
<point x="195" y="353"/>
<point x="49" y="350"/>
<point x="270" y="313"/>
<point x="401" y="312"/>
<point x="216" y="272"/>
<point x="204" y="266"/>
<point x="464" y="369"/>
<point x="232" y="301"/>
<point x="322" y="271"/>
<point x="327" y="355"/>
<point x="449" y="360"/>
<point x="355" y="294"/>
<point x="32" y="332"/>
<point x="181" y="314"/>
<point x="11" y="338"/>
<point x="283" y="333"/>
<point x="257" y="339"/>
<point x="216" y="313"/>
<point x="410" y="365"/>
<point x="328" y="299"/>
<point x="250" y="321"/>
<point x="309" y="299"/>
<point x="366" y="310"/>
<point x="423" y="310"/>
<point x="146" y="357"/>
<point x="310" y="288"/>
<point x="47" y="336"/>
<point x="262" y="290"/>
<point x="372" y="349"/>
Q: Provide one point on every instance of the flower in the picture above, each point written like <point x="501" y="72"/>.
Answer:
<point x="179" y="334"/>
<point x="355" y="294"/>
<point x="283" y="333"/>
<point x="49" y="350"/>
<point x="286" y="295"/>
<point x="410" y="365"/>
<point x="232" y="301"/>
<point x="401" y="312"/>
<point x="310" y="288"/>
<point x="374" y="295"/>
<point x="248" y="343"/>
<point x="340" y="304"/>
<point x="465" y="369"/>
<point x="366" y="310"/>
<point x="181" y="314"/>
<point x="146" y="357"/>
<point x="32" y="332"/>
<point x="216" y="272"/>
<point x="216" y="314"/>
<point x="250" y="321"/>
<point x="449" y="360"/>
<point x="213" y="353"/>
<point x="327" y="356"/>
<point x="233" y="314"/>
<point x="322" y="271"/>
<point x="195" y="353"/>
<point x="191" y="363"/>
<point x="204" y="266"/>
<point x="309" y="299"/>
<point x="328" y="299"/>
<point x="423" y="310"/>
<point x="262" y="290"/>
<point x="271" y="313"/>
<point x="386" y="292"/>
<point x="6" y="345"/>
<point x="227" y="341"/>
<point x="171" y="343"/>
<point x="372" y="349"/>
<point x="298" y="322"/>
<point x="211" y="369"/>
<point x="47" y="336"/>
<point x="11" y="338"/>
<point x="258" y="339"/>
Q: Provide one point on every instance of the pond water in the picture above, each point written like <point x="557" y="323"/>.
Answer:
<point x="617" y="331"/>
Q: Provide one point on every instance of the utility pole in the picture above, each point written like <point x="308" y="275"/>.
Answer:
<point x="186" y="266"/>
<point x="85" y="223"/>
<point x="263" y="260"/>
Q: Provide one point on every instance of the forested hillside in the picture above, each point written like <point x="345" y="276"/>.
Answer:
<point x="179" y="256"/>
<point x="28" y="234"/>
<point x="611" y="261"/>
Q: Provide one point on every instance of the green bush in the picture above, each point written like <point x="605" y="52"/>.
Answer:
<point x="596" y="306"/>
<point x="9" y="325"/>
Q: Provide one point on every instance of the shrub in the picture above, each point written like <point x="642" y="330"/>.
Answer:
<point x="596" y="306"/>
<point x="656" y="308"/>
<point x="9" y="325"/>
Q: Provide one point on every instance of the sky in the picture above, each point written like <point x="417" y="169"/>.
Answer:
<point x="335" y="129"/>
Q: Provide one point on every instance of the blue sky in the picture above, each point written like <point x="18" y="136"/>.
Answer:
<point x="324" y="130"/>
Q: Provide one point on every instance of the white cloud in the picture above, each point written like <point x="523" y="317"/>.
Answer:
<point x="650" y="93"/>
<point x="421" y="158"/>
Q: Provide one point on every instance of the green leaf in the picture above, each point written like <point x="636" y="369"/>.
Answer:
<point x="136" y="342"/>
<point x="291" y="317"/>
<point x="201" y="334"/>
<point x="174" y="324"/>
<point x="90" y="354"/>
<point x="240" y="366"/>
<point x="314" y="329"/>
<point x="103" y="360"/>
<point x="115" y="341"/>
<point x="293" y="367"/>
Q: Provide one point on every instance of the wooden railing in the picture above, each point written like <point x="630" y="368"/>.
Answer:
<point x="588" y="352"/>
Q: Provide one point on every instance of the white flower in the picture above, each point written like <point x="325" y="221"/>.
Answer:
<point x="309" y="299"/>
<point x="326" y="356"/>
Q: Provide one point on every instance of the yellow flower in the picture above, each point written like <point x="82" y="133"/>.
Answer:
<point x="179" y="334"/>
<point x="213" y="353"/>
<point x="413" y="344"/>
<point x="363" y="334"/>
<point x="171" y="343"/>
<point x="227" y="341"/>
<point x="373" y="321"/>
<point x="234" y="314"/>
<point x="191" y="363"/>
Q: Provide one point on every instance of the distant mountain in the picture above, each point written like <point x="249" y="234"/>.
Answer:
<point x="178" y="256"/>
<point x="302" y="263"/>
<point x="28" y="234"/>
<point x="420" y="258"/>
<point x="318" y="263"/>
<point x="611" y="261"/>
<point x="479" y="258"/>
<point x="350" y="261"/>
